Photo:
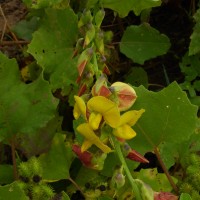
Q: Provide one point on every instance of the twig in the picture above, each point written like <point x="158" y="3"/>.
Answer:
<point x="7" y="25"/>
<point x="10" y="43"/>
<point x="12" y="143"/>
<point x="76" y="185"/>
<point x="156" y="151"/>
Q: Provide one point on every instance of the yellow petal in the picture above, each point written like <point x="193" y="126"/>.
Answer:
<point x="79" y="107"/>
<point x="107" y="108"/>
<point x="89" y="135"/>
<point x="124" y="132"/>
<point x="131" y="117"/>
<point x="94" y="120"/>
<point x="86" y="145"/>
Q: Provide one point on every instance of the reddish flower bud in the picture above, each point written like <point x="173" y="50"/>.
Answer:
<point x="164" y="196"/>
<point x="133" y="155"/>
<point x="100" y="88"/>
<point x="106" y="70"/>
<point x="82" y="90"/>
<point x="85" y="157"/>
<point x="126" y="95"/>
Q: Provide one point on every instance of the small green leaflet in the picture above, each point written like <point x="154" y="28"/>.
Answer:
<point x="194" y="47"/>
<point x="140" y="43"/>
<point x="125" y="6"/>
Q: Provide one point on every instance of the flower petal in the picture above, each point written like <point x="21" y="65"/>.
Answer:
<point x="86" y="145"/>
<point x="131" y="117"/>
<point x="107" y="108"/>
<point x="124" y="131"/>
<point x="94" y="120"/>
<point x="91" y="138"/>
<point x="79" y="107"/>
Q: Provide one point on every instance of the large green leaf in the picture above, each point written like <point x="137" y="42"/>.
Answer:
<point x="44" y="3"/>
<point x="57" y="161"/>
<point x="52" y="47"/>
<point x="194" y="47"/>
<point x="169" y="118"/>
<point x="40" y="141"/>
<point x="24" y="108"/>
<point x="125" y="6"/>
<point x="143" y="42"/>
<point x="12" y="192"/>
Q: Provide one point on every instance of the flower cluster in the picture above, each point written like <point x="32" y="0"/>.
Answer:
<point x="103" y="109"/>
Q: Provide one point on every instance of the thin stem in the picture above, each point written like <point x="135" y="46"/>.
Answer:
<point x="6" y="43"/>
<point x="12" y="143"/>
<point x="126" y="169"/>
<point x="156" y="151"/>
<point x="76" y="185"/>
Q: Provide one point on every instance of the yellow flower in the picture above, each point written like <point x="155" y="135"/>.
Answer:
<point x="91" y="138"/>
<point x="79" y="107"/>
<point x="127" y="120"/>
<point x="101" y="107"/>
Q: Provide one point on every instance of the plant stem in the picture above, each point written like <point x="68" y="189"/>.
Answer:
<point x="126" y="169"/>
<point x="12" y="143"/>
<point x="156" y="151"/>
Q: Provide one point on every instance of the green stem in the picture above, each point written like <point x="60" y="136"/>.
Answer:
<point x="126" y="169"/>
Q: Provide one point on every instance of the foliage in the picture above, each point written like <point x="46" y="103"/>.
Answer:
<point x="70" y="127"/>
<point x="143" y="42"/>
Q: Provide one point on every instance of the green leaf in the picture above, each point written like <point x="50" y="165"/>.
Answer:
<point x="65" y="196"/>
<point x="157" y="181"/>
<point x="169" y="117"/>
<point x="6" y="174"/>
<point x="125" y="6"/>
<point x="194" y="47"/>
<point x="56" y="162"/>
<point x="185" y="196"/>
<point x="190" y="67"/>
<point x="24" y="108"/>
<point x="12" y="192"/>
<point x="42" y="3"/>
<point x="40" y="141"/>
<point x="143" y="42"/>
<point x="25" y="28"/>
<point x="52" y="47"/>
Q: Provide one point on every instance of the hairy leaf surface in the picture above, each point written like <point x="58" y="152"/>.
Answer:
<point x="52" y="47"/>
<point x="24" y="108"/>
<point x="143" y="42"/>
<point x="125" y="6"/>
<point x="169" y="118"/>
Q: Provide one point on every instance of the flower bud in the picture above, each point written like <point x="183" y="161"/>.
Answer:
<point x="118" y="179"/>
<point x="100" y="87"/>
<point x="126" y="95"/>
<point x="85" y="157"/>
<point x="164" y="196"/>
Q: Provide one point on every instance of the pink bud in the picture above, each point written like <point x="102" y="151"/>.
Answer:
<point x="100" y="87"/>
<point x="134" y="155"/>
<point x="85" y="157"/>
<point x="126" y="95"/>
<point x="82" y="90"/>
<point x="164" y="196"/>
